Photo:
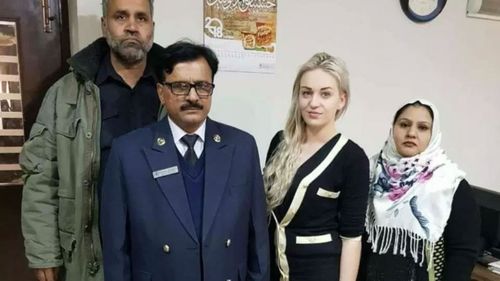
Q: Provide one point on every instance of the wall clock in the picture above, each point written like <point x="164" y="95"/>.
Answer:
<point x="422" y="10"/>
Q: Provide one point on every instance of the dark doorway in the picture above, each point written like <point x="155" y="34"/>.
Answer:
<point x="34" y="46"/>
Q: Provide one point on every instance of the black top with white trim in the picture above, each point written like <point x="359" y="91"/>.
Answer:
<point x="334" y="206"/>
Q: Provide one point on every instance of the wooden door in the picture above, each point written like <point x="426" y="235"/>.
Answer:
<point x="34" y="46"/>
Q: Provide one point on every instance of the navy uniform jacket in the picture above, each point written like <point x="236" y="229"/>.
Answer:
<point x="147" y="229"/>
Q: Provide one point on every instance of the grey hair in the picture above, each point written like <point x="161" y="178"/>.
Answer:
<point x="104" y="5"/>
<point x="279" y="172"/>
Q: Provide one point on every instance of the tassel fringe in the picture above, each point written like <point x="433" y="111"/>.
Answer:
<point x="382" y="238"/>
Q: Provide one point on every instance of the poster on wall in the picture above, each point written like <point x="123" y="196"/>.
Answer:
<point x="242" y="33"/>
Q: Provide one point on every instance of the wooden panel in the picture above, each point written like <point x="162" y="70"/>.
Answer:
<point x="9" y="59"/>
<point x="10" y="167"/>
<point x="42" y="60"/>
<point x="10" y="149"/>
<point x="10" y="96"/>
<point x="12" y="133"/>
<point x="11" y="114"/>
<point x="5" y="77"/>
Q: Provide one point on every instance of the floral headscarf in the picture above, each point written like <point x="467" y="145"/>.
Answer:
<point x="411" y="197"/>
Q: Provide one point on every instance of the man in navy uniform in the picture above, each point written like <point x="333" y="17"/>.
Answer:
<point x="183" y="199"/>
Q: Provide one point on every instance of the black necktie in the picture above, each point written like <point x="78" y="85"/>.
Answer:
<point x="190" y="155"/>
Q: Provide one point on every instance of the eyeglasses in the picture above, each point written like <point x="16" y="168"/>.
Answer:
<point x="181" y="88"/>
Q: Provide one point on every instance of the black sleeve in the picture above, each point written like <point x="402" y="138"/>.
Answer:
<point x="462" y="235"/>
<point x="278" y="137"/>
<point x="354" y="195"/>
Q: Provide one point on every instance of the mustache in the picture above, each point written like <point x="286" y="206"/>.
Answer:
<point x="191" y="105"/>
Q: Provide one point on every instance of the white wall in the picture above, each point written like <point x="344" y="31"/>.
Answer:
<point x="453" y="61"/>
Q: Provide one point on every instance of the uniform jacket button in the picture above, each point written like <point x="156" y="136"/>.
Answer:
<point x="228" y="243"/>
<point x="166" y="248"/>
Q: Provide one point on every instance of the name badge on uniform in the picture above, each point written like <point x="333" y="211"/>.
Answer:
<point x="165" y="172"/>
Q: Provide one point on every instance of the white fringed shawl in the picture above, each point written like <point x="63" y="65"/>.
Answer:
<point x="410" y="198"/>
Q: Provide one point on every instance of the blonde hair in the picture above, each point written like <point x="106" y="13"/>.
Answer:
<point x="281" y="168"/>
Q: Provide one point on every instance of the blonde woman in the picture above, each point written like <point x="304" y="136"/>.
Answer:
<point x="316" y="181"/>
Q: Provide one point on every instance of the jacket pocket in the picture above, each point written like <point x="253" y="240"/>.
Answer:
<point x="36" y="130"/>
<point x="325" y="244"/>
<point x="109" y="113"/>
<point x="327" y="193"/>
<point x="108" y="126"/>
<point x="66" y="214"/>
<point x="35" y="150"/>
<point x="67" y="127"/>
<point x="316" y="239"/>
<point x="67" y="241"/>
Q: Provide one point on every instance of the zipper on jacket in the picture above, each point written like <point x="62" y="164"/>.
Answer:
<point x="93" y="265"/>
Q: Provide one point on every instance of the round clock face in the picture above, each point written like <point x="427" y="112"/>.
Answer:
<point x="422" y="10"/>
<point x="422" y="7"/>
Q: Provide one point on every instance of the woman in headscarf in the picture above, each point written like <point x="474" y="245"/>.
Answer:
<point x="316" y="181"/>
<point x="422" y="220"/>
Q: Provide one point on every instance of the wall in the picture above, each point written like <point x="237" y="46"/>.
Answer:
<point x="452" y="61"/>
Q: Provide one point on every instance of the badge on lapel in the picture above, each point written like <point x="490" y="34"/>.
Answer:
<point x="160" y="141"/>
<point x="217" y="138"/>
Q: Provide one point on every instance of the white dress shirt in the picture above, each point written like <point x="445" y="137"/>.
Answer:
<point x="178" y="133"/>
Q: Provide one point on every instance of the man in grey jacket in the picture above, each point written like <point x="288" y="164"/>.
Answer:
<point x="109" y="92"/>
